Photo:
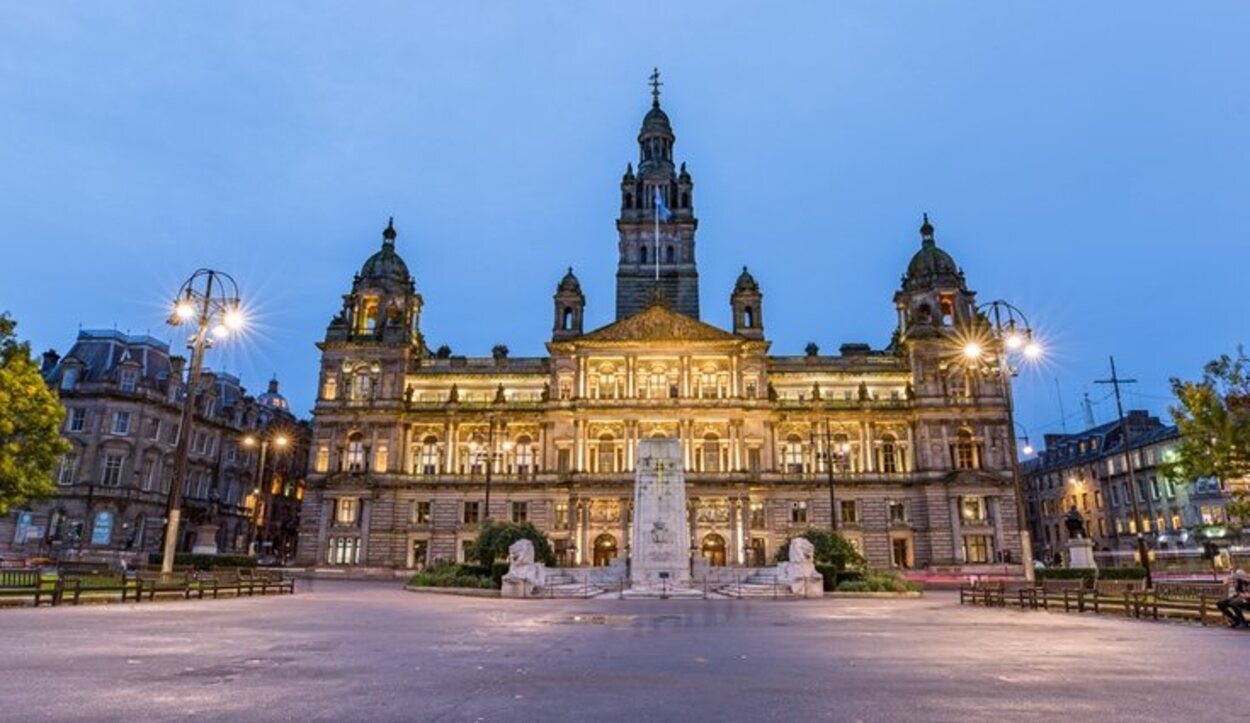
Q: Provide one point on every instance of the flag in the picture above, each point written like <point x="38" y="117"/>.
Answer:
<point x="661" y="210"/>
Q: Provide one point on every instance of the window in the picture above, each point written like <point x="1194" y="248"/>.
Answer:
<point x="520" y="511"/>
<point x="362" y="387"/>
<point x="757" y="515"/>
<point x="69" y="465"/>
<point x="973" y="510"/>
<point x="343" y="551"/>
<point x="330" y="390"/>
<point x="978" y="548"/>
<point x="563" y="460"/>
<point x="154" y="428"/>
<point x="421" y="512"/>
<point x="346" y="511"/>
<point x="471" y="513"/>
<point x="128" y="380"/>
<point x="965" y="451"/>
<point x="381" y="458"/>
<point x="112" y="473"/>
<point x="323" y="459"/>
<point x="429" y="455"/>
<point x="121" y="423"/>
<point x="711" y="453"/>
<point x="898" y="512"/>
<point x="562" y="516"/>
<point x="607" y="454"/>
<point x="524" y="455"/>
<point x="889" y="454"/>
<point x="77" y="419"/>
<point x="900" y="552"/>
<point x="69" y="378"/>
<point x="792" y="453"/>
<point x="102" y="529"/>
<point x="149" y="475"/>
<point x="798" y="512"/>
<point x="850" y="512"/>
<point x="355" y="453"/>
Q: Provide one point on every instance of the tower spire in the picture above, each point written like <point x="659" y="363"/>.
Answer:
<point x="389" y="233"/>
<point x="655" y="87"/>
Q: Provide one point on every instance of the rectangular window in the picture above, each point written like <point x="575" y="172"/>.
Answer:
<point x="112" y="474"/>
<point x="562" y="460"/>
<point x="381" y="458"/>
<point x="421" y="512"/>
<point x="850" y="512"/>
<point x="898" y="512"/>
<point x="471" y="513"/>
<point x="128" y="380"/>
<point x="330" y="390"/>
<point x="149" y="475"/>
<point x="753" y="459"/>
<point x="757" y="515"/>
<point x="69" y="465"/>
<point x="121" y="423"/>
<point x="798" y="513"/>
<point x="1098" y="499"/>
<point x="343" y="551"/>
<point x="520" y="511"/>
<point x="972" y="510"/>
<point x="77" y="419"/>
<point x="562" y="516"/>
<point x="154" y="429"/>
<point x="323" y="459"/>
<point x="347" y="511"/>
<point x="978" y="549"/>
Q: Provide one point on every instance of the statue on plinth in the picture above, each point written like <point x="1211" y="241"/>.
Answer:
<point x="524" y="575"/>
<point x="799" y="572"/>
<point x="1075" y="523"/>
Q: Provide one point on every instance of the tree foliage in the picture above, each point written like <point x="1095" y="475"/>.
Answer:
<point x="1213" y="417"/>
<point x="30" y="424"/>
<point x="832" y="550"/>
<point x="496" y="537"/>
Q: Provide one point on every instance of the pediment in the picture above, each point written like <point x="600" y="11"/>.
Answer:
<point x="658" y="323"/>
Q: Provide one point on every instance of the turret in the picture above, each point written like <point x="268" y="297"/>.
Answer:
<point x="569" y="305"/>
<point x="746" y="302"/>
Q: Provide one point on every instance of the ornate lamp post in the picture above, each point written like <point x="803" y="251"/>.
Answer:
<point x="209" y="300"/>
<point x="831" y="455"/>
<point x="280" y="441"/>
<point x="1003" y="339"/>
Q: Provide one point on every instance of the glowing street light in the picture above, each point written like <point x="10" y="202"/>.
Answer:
<point x="973" y="350"/>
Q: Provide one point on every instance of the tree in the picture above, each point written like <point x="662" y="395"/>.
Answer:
<point x="495" y="538"/>
<point x="1213" y="417"/>
<point x="30" y="424"/>
<point x="832" y="550"/>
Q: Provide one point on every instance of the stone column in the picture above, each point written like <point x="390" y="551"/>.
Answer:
<point x="957" y="540"/>
<point x="995" y="505"/>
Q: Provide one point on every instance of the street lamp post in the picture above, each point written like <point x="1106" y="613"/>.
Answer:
<point x="1010" y="334"/>
<point x="210" y="300"/>
<point x="831" y="456"/>
<point x="489" y="455"/>
<point x="280" y="441"/>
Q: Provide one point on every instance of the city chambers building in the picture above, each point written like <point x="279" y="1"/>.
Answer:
<point x="409" y="444"/>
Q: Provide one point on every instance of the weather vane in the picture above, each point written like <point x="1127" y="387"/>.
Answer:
<point x="655" y="87"/>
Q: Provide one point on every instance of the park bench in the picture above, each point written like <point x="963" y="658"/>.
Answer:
<point x="28" y="583"/>
<point x="1184" y="600"/>
<point x="988" y="594"/>
<point x="267" y="581"/>
<point x="155" y="582"/>
<point x="76" y="582"/>
<point x="1112" y="596"/>
<point x="225" y="580"/>
<point x="1068" y="592"/>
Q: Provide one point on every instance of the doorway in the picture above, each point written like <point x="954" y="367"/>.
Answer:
<point x="714" y="550"/>
<point x="605" y="550"/>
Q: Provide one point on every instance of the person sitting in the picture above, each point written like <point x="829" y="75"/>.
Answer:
<point x="1235" y="605"/>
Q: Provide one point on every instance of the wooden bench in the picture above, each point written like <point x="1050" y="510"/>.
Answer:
<point x="1185" y="600"/>
<point x="1068" y="592"/>
<point x="1112" y="596"/>
<point x="28" y="583"/>
<point x="988" y="594"/>
<point x="154" y="582"/>
<point x="75" y="584"/>
<point x="225" y="580"/>
<point x="269" y="581"/>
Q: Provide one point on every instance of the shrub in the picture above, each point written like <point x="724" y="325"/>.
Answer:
<point x="205" y="562"/>
<point x="878" y="582"/>
<point x="1110" y="573"/>
<point x="495" y="538"/>
<point x="450" y="574"/>
<point x="832" y="551"/>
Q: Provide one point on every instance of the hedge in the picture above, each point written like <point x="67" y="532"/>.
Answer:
<point x="205" y="562"/>
<point x="1110" y="573"/>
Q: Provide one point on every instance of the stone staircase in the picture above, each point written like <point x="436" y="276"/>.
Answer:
<point x="762" y="584"/>
<point x="563" y="585"/>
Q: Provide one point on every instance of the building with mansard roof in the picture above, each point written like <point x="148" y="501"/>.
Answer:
<point x="407" y="445"/>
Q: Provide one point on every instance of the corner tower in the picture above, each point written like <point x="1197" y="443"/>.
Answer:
<point x="656" y="248"/>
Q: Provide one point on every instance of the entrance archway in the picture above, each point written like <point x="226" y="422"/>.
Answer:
<point x="714" y="550"/>
<point x="605" y="550"/>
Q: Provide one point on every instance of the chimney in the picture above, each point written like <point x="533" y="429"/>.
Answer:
<point x="50" y="358"/>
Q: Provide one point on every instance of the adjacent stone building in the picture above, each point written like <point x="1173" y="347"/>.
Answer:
<point x="406" y="442"/>
<point x="1089" y="471"/>
<point x="123" y="400"/>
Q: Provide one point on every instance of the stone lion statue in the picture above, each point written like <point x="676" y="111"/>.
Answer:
<point x="799" y="572"/>
<point x="521" y="566"/>
<point x="802" y="550"/>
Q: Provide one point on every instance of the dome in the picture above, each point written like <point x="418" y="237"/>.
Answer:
<point x="746" y="282"/>
<point x="386" y="265"/>
<point x="570" y="283"/>
<point x="272" y="399"/>
<point x="931" y="266"/>
<point x="656" y="121"/>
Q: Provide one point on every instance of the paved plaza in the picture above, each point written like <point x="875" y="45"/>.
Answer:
<point x="344" y="651"/>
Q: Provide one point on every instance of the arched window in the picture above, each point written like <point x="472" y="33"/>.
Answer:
<point x="607" y="453"/>
<point x="748" y="317"/>
<point x="355" y="452"/>
<point x="629" y="200"/>
<point x="711" y="453"/>
<point x="670" y="256"/>
<point x="642" y="254"/>
<point x="368" y="314"/>
<point x="965" y="452"/>
<point x="685" y="200"/>
<point x="566" y="321"/>
<point x="792" y="453"/>
<point x="889" y="454"/>
<point x="657" y="385"/>
<point x="362" y="386"/>
<point x="948" y="311"/>
<point x="429" y="455"/>
<point x="524" y="455"/>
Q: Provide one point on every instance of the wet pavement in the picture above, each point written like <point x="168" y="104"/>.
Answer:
<point x="346" y="651"/>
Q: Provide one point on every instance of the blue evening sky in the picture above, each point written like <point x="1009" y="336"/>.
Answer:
<point x="1086" y="161"/>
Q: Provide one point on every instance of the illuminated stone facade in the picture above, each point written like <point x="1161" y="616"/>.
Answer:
<point x="919" y="446"/>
